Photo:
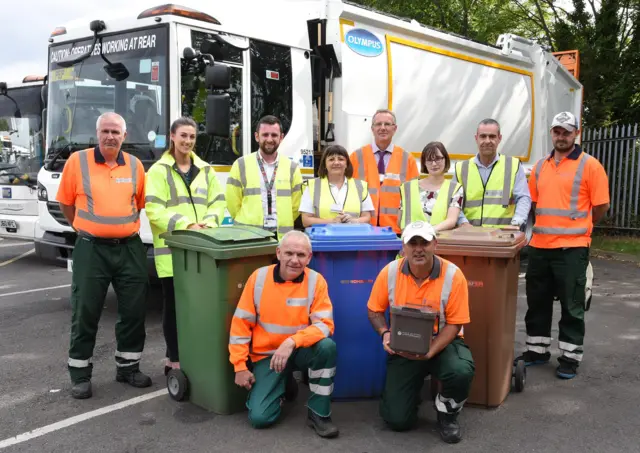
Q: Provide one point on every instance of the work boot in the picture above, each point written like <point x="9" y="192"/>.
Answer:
<point x="323" y="426"/>
<point x="566" y="369"/>
<point x="290" y="388"/>
<point x="134" y="378"/>
<point x="81" y="390"/>
<point x="533" y="358"/>
<point x="449" y="428"/>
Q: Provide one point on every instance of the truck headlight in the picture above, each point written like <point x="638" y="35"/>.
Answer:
<point x="42" y="193"/>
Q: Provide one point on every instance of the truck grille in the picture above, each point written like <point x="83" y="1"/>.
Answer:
<point x="56" y="213"/>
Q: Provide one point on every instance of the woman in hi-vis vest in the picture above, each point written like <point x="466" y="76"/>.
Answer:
<point x="433" y="199"/>
<point x="182" y="192"/>
<point x="335" y="196"/>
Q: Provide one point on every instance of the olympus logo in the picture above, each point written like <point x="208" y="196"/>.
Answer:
<point x="409" y="334"/>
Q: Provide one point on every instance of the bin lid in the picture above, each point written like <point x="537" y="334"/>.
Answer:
<point x="480" y="241"/>
<point x="235" y="241"/>
<point x="352" y="236"/>
<point x="415" y="311"/>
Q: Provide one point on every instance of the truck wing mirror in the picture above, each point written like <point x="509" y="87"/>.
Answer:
<point x="218" y="115"/>
<point x="217" y="77"/>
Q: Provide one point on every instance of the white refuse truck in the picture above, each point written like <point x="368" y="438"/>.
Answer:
<point x="322" y="66"/>
<point x="21" y="157"/>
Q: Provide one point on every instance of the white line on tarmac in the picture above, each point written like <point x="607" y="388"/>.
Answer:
<point x="15" y="244"/>
<point x="13" y="260"/>
<point x="34" y="290"/>
<point x="78" y="419"/>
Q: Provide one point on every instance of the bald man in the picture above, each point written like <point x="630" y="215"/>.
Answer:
<point x="291" y="332"/>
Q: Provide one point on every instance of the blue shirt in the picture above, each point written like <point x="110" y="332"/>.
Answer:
<point x="520" y="191"/>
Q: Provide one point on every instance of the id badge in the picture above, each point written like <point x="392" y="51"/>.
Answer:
<point x="270" y="221"/>
<point x="336" y="208"/>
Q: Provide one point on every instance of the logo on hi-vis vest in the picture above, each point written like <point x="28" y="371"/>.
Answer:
<point x="363" y="42"/>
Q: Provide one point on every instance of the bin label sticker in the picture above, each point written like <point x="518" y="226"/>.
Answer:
<point x="475" y="284"/>
<point x="306" y="158"/>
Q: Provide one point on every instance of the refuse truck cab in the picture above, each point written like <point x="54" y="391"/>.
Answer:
<point x="22" y="155"/>
<point x="322" y="66"/>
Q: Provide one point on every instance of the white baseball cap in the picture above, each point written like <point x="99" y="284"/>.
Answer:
<point x="566" y="120"/>
<point x="419" y="228"/>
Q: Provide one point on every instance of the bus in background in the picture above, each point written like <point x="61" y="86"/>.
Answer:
<point x="22" y="156"/>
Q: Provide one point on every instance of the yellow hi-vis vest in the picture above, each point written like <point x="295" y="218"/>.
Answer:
<point x="411" y="208"/>
<point x="244" y="196"/>
<point x="493" y="204"/>
<point x="169" y="206"/>
<point x="323" y="199"/>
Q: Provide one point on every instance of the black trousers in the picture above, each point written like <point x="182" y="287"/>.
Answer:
<point x="169" y="326"/>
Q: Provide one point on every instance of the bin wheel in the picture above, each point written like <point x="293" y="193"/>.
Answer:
<point x="520" y="375"/>
<point x="177" y="385"/>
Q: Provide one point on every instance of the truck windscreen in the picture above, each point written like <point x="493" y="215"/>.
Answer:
<point x="78" y="95"/>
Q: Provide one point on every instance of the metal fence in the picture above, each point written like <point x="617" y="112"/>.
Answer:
<point x="618" y="150"/>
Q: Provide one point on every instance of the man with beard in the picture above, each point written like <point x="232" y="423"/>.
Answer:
<point x="283" y="321"/>
<point x="421" y="278"/>
<point x="570" y="192"/>
<point x="264" y="190"/>
<point x="495" y="186"/>
<point x="385" y="167"/>
<point x="101" y="195"/>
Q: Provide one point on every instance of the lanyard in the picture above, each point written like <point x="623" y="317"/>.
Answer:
<point x="268" y="184"/>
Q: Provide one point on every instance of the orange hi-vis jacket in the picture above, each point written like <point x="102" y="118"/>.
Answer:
<point x="271" y="310"/>
<point x="108" y="200"/>
<point x="444" y="291"/>
<point x="565" y="195"/>
<point x="386" y="196"/>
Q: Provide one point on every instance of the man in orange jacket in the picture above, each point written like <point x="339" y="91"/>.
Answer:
<point x="570" y="192"/>
<point x="283" y="321"/>
<point x="385" y="167"/>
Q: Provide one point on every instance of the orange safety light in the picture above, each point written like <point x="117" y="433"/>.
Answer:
<point x="58" y="31"/>
<point x="177" y="10"/>
<point x="33" y="78"/>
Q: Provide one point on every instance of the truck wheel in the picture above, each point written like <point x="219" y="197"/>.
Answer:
<point x="520" y="375"/>
<point x="177" y="385"/>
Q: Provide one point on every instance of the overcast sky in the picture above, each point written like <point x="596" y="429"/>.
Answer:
<point x="27" y="24"/>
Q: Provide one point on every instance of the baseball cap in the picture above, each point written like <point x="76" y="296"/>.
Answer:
<point x="566" y="120"/>
<point x="419" y="228"/>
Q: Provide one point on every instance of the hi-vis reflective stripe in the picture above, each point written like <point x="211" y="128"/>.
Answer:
<point x="404" y="167"/>
<point x="571" y="213"/>
<point x="322" y="373"/>
<point x="537" y="349"/>
<point x="361" y="175"/>
<point x="316" y="196"/>
<point x="244" y="314"/>
<point x="322" y="390"/>
<point x="392" y="272"/>
<point x="248" y="192"/>
<point x="127" y="364"/>
<point x="464" y="177"/>
<point x="446" y="292"/>
<point x="234" y="182"/>
<point x="297" y="301"/>
<point x="320" y="315"/>
<point x="219" y="197"/>
<point x="453" y="407"/>
<point x="129" y="355"/>
<point x="159" y="251"/>
<point x="495" y="221"/>
<point x="506" y="188"/>
<point x="390" y="189"/>
<point x="259" y="287"/>
<point x="242" y="169"/>
<point x="539" y="340"/>
<point x="154" y="199"/>
<point x="90" y="214"/>
<point x="233" y="339"/>
<point x="280" y="329"/>
<point x="569" y="347"/>
<point x="492" y="197"/>
<point x="322" y="327"/>
<point x="201" y="191"/>
<point x="76" y="363"/>
<point x="173" y="221"/>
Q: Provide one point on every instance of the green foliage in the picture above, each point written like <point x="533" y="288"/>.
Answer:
<point x="606" y="32"/>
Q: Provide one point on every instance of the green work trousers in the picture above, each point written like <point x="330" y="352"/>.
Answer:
<point x="453" y="367"/>
<point x="563" y="273"/>
<point x="97" y="264"/>
<point x="265" y="399"/>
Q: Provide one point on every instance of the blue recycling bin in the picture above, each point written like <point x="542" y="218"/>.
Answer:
<point x="350" y="257"/>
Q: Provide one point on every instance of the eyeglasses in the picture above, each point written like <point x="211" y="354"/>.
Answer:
<point x="383" y="124"/>
<point x="435" y="159"/>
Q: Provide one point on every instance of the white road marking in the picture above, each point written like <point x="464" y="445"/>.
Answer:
<point x="15" y="244"/>
<point x="13" y="260"/>
<point x="78" y="419"/>
<point x="34" y="290"/>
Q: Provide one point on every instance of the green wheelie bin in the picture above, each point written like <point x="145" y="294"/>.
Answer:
<point x="210" y="269"/>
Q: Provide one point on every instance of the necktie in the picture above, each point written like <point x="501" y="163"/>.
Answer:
<point x="381" y="162"/>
